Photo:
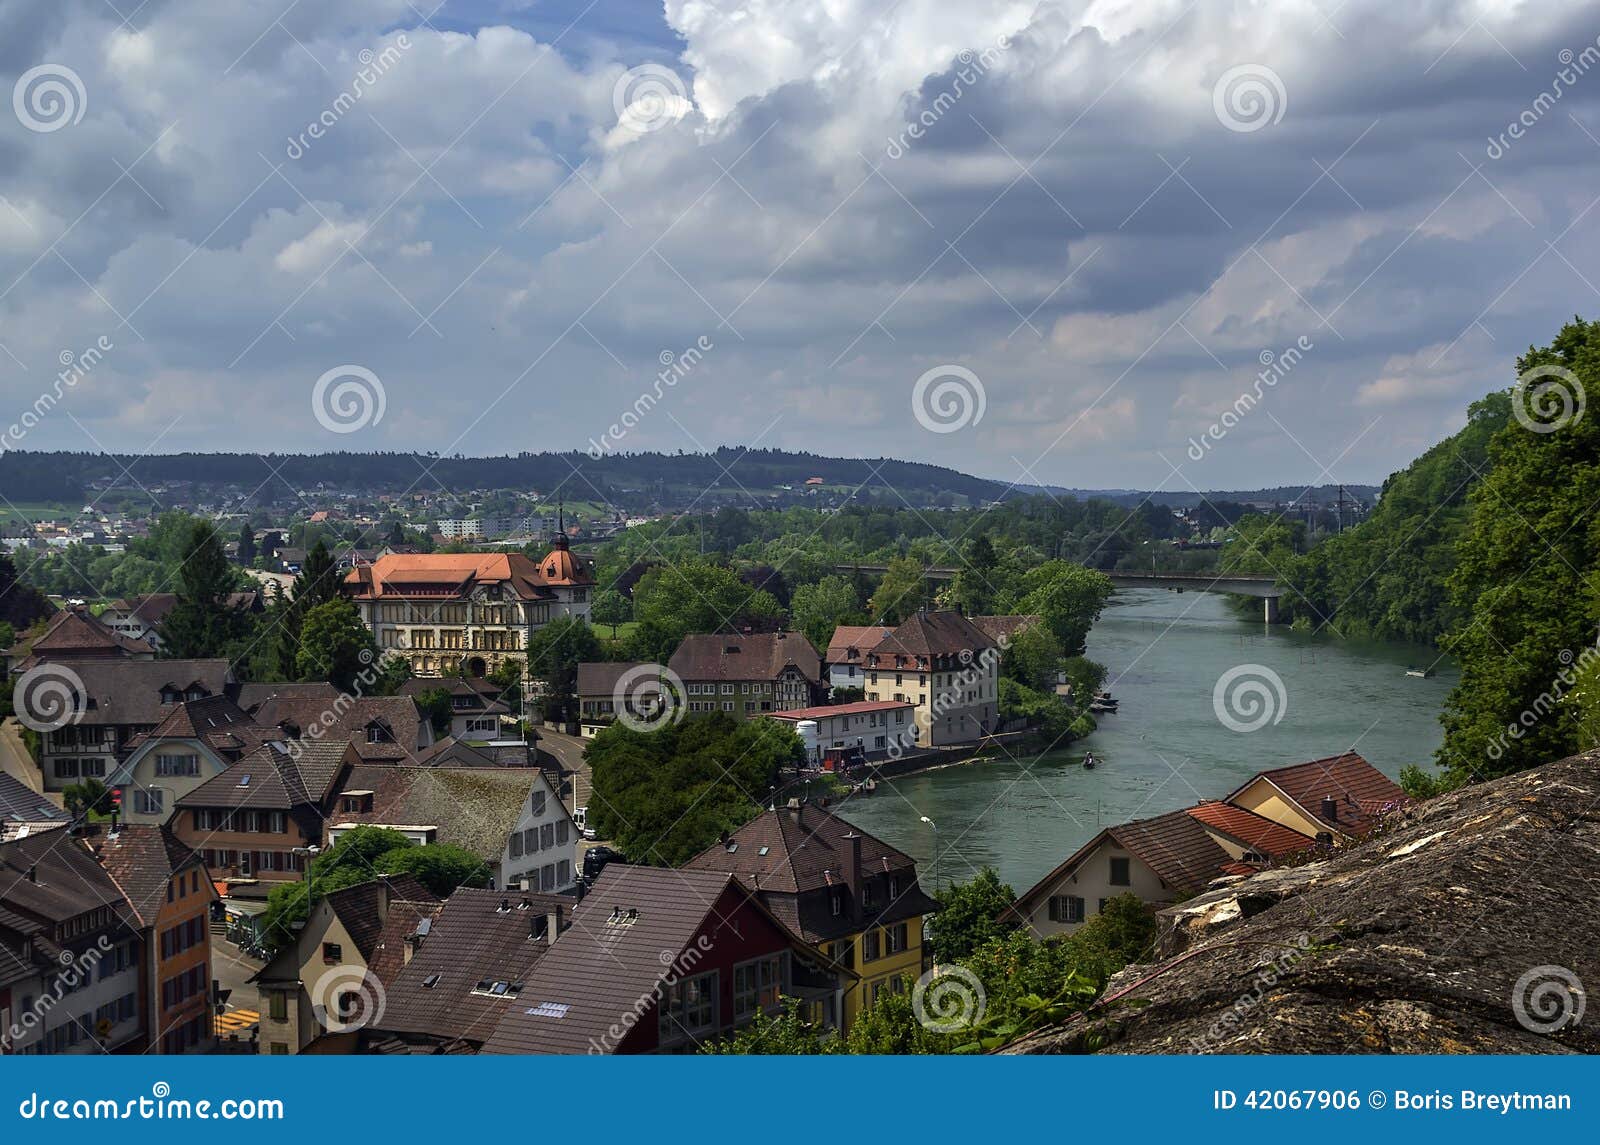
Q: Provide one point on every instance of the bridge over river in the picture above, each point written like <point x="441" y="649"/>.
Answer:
<point x="1266" y="588"/>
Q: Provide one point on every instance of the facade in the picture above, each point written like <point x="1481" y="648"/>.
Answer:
<point x="355" y="941"/>
<point x="74" y="634"/>
<point x="197" y="740"/>
<point x="475" y="707"/>
<point x="468" y="614"/>
<point x="167" y="886"/>
<point x="946" y="666"/>
<point x="748" y="675"/>
<point x="122" y="700"/>
<point x="256" y="822"/>
<point x="687" y="956"/>
<point x="605" y="687"/>
<point x="845" y="660"/>
<point x="481" y="528"/>
<point x="70" y="953"/>
<point x="845" y="892"/>
<point x="509" y="816"/>
<point x="1334" y="800"/>
<point x="867" y="727"/>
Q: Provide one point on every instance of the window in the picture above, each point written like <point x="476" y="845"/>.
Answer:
<point x="755" y="986"/>
<point x="688" y="1007"/>
<point x="561" y="833"/>
<point x="66" y="769"/>
<point x="844" y="953"/>
<point x="280" y="1048"/>
<point x="378" y="733"/>
<point x="530" y="840"/>
<point x="1120" y="875"/>
<point x="278" y="1006"/>
<point x="149" y="800"/>
<point x="837" y="901"/>
<point x="1066" y="908"/>
<point x="538" y="801"/>
<point x="896" y="937"/>
<point x="516" y="844"/>
<point x="869" y="946"/>
<point x="177" y="765"/>
<point x="332" y="953"/>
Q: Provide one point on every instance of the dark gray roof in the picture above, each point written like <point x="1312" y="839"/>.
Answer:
<point x="281" y="776"/>
<point x="143" y="858"/>
<point x="123" y="691"/>
<point x="473" y="808"/>
<point x="20" y="804"/>
<point x="745" y="656"/>
<point x="66" y="880"/>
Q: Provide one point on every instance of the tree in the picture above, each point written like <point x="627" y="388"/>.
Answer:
<point x="441" y="867"/>
<point x="20" y="604"/>
<point x="1033" y="657"/>
<point x="247" y="544"/>
<point x="437" y="708"/>
<point x="89" y="795"/>
<point x="671" y="601"/>
<point x="336" y="646"/>
<point x="664" y="795"/>
<point x="202" y="623"/>
<point x="396" y="534"/>
<point x="969" y="915"/>
<point x="554" y="653"/>
<point x="817" y="609"/>
<point x="317" y="584"/>
<point x="611" y="608"/>
<point x="1068" y="597"/>
<point x="900" y="593"/>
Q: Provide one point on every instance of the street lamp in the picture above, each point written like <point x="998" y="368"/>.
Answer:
<point x="935" y="827"/>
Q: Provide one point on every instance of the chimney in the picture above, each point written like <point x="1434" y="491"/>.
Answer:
<point x="33" y="873"/>
<point x="852" y="870"/>
<point x="1330" y="808"/>
<point x="552" y="923"/>
<point x="796" y="808"/>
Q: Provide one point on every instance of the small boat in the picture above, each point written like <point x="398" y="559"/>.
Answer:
<point x="1102" y="702"/>
<point x="1420" y="673"/>
<point x="1089" y="761"/>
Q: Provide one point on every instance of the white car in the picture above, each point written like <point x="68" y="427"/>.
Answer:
<point x="580" y="816"/>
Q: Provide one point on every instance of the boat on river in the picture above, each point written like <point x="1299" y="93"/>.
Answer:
<point x="1420" y="673"/>
<point x="1103" y="702"/>
<point x="1089" y="761"/>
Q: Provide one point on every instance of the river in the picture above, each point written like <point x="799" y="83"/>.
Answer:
<point x="1166" y="747"/>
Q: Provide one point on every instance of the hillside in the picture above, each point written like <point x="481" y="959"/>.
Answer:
<point x="1415" y="941"/>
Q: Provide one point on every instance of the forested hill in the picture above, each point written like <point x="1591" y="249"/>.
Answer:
<point x="64" y="476"/>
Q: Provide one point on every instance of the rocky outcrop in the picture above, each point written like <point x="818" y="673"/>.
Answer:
<point x="1466" y="924"/>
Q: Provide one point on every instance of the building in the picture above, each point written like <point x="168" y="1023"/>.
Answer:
<point x="140" y="617"/>
<point x="1161" y="860"/>
<point x="1334" y="800"/>
<point x="467" y="972"/>
<point x="845" y="659"/>
<point x="24" y="811"/>
<point x="121" y="700"/>
<point x="331" y="977"/>
<point x="687" y="956"/>
<point x="468" y="614"/>
<point x="843" y="891"/>
<point x="604" y="687"/>
<point x="257" y="822"/>
<point x="748" y="675"/>
<point x="166" y="884"/>
<point x="70" y="953"/>
<point x="71" y="635"/>
<point x="945" y="665"/>
<point x="476" y="709"/>
<point x="512" y="818"/>
<point x="481" y="528"/>
<point x="863" y="728"/>
<point x="382" y="729"/>
<point x="197" y="740"/>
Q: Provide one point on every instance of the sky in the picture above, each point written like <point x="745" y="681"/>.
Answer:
<point x="1158" y="245"/>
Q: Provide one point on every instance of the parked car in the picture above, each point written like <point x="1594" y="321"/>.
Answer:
<point x="596" y="858"/>
<point x="580" y="816"/>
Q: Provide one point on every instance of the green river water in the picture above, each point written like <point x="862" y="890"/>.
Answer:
<point x="1166" y="747"/>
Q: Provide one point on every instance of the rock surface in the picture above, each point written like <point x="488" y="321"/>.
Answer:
<point x="1466" y="924"/>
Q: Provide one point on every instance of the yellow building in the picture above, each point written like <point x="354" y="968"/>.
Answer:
<point x="850" y="895"/>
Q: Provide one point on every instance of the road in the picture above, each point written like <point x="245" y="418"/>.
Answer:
<point x="569" y="751"/>
<point x="231" y="969"/>
<point x="14" y="758"/>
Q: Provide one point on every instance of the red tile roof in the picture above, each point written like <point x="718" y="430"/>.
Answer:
<point x="823" y="711"/>
<point x="1256" y="832"/>
<point x="446" y="576"/>
<point x="748" y="656"/>
<point x="858" y="638"/>
<point x="1361" y="792"/>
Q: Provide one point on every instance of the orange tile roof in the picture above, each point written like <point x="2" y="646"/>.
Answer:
<point x="1257" y="832"/>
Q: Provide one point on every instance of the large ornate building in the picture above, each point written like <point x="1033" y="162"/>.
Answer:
<point x="452" y="614"/>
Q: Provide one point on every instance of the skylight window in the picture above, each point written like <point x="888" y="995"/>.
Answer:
<point x="550" y="1010"/>
<point x="244" y="780"/>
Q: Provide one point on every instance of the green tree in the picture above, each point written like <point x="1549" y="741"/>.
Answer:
<point x="1068" y="597"/>
<point x="437" y="708"/>
<point x="969" y="915"/>
<point x="247" y="544"/>
<point x="554" y="653"/>
<point x="1032" y="657"/>
<point x="817" y="609"/>
<point x="202" y="623"/>
<point x="336" y="646"/>
<point x="903" y="590"/>
<point x="610" y="608"/>
<point x="441" y="867"/>
<point x="666" y="794"/>
<point x="671" y="601"/>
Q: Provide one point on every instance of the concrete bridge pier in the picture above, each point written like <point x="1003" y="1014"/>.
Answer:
<point x="1269" y="607"/>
